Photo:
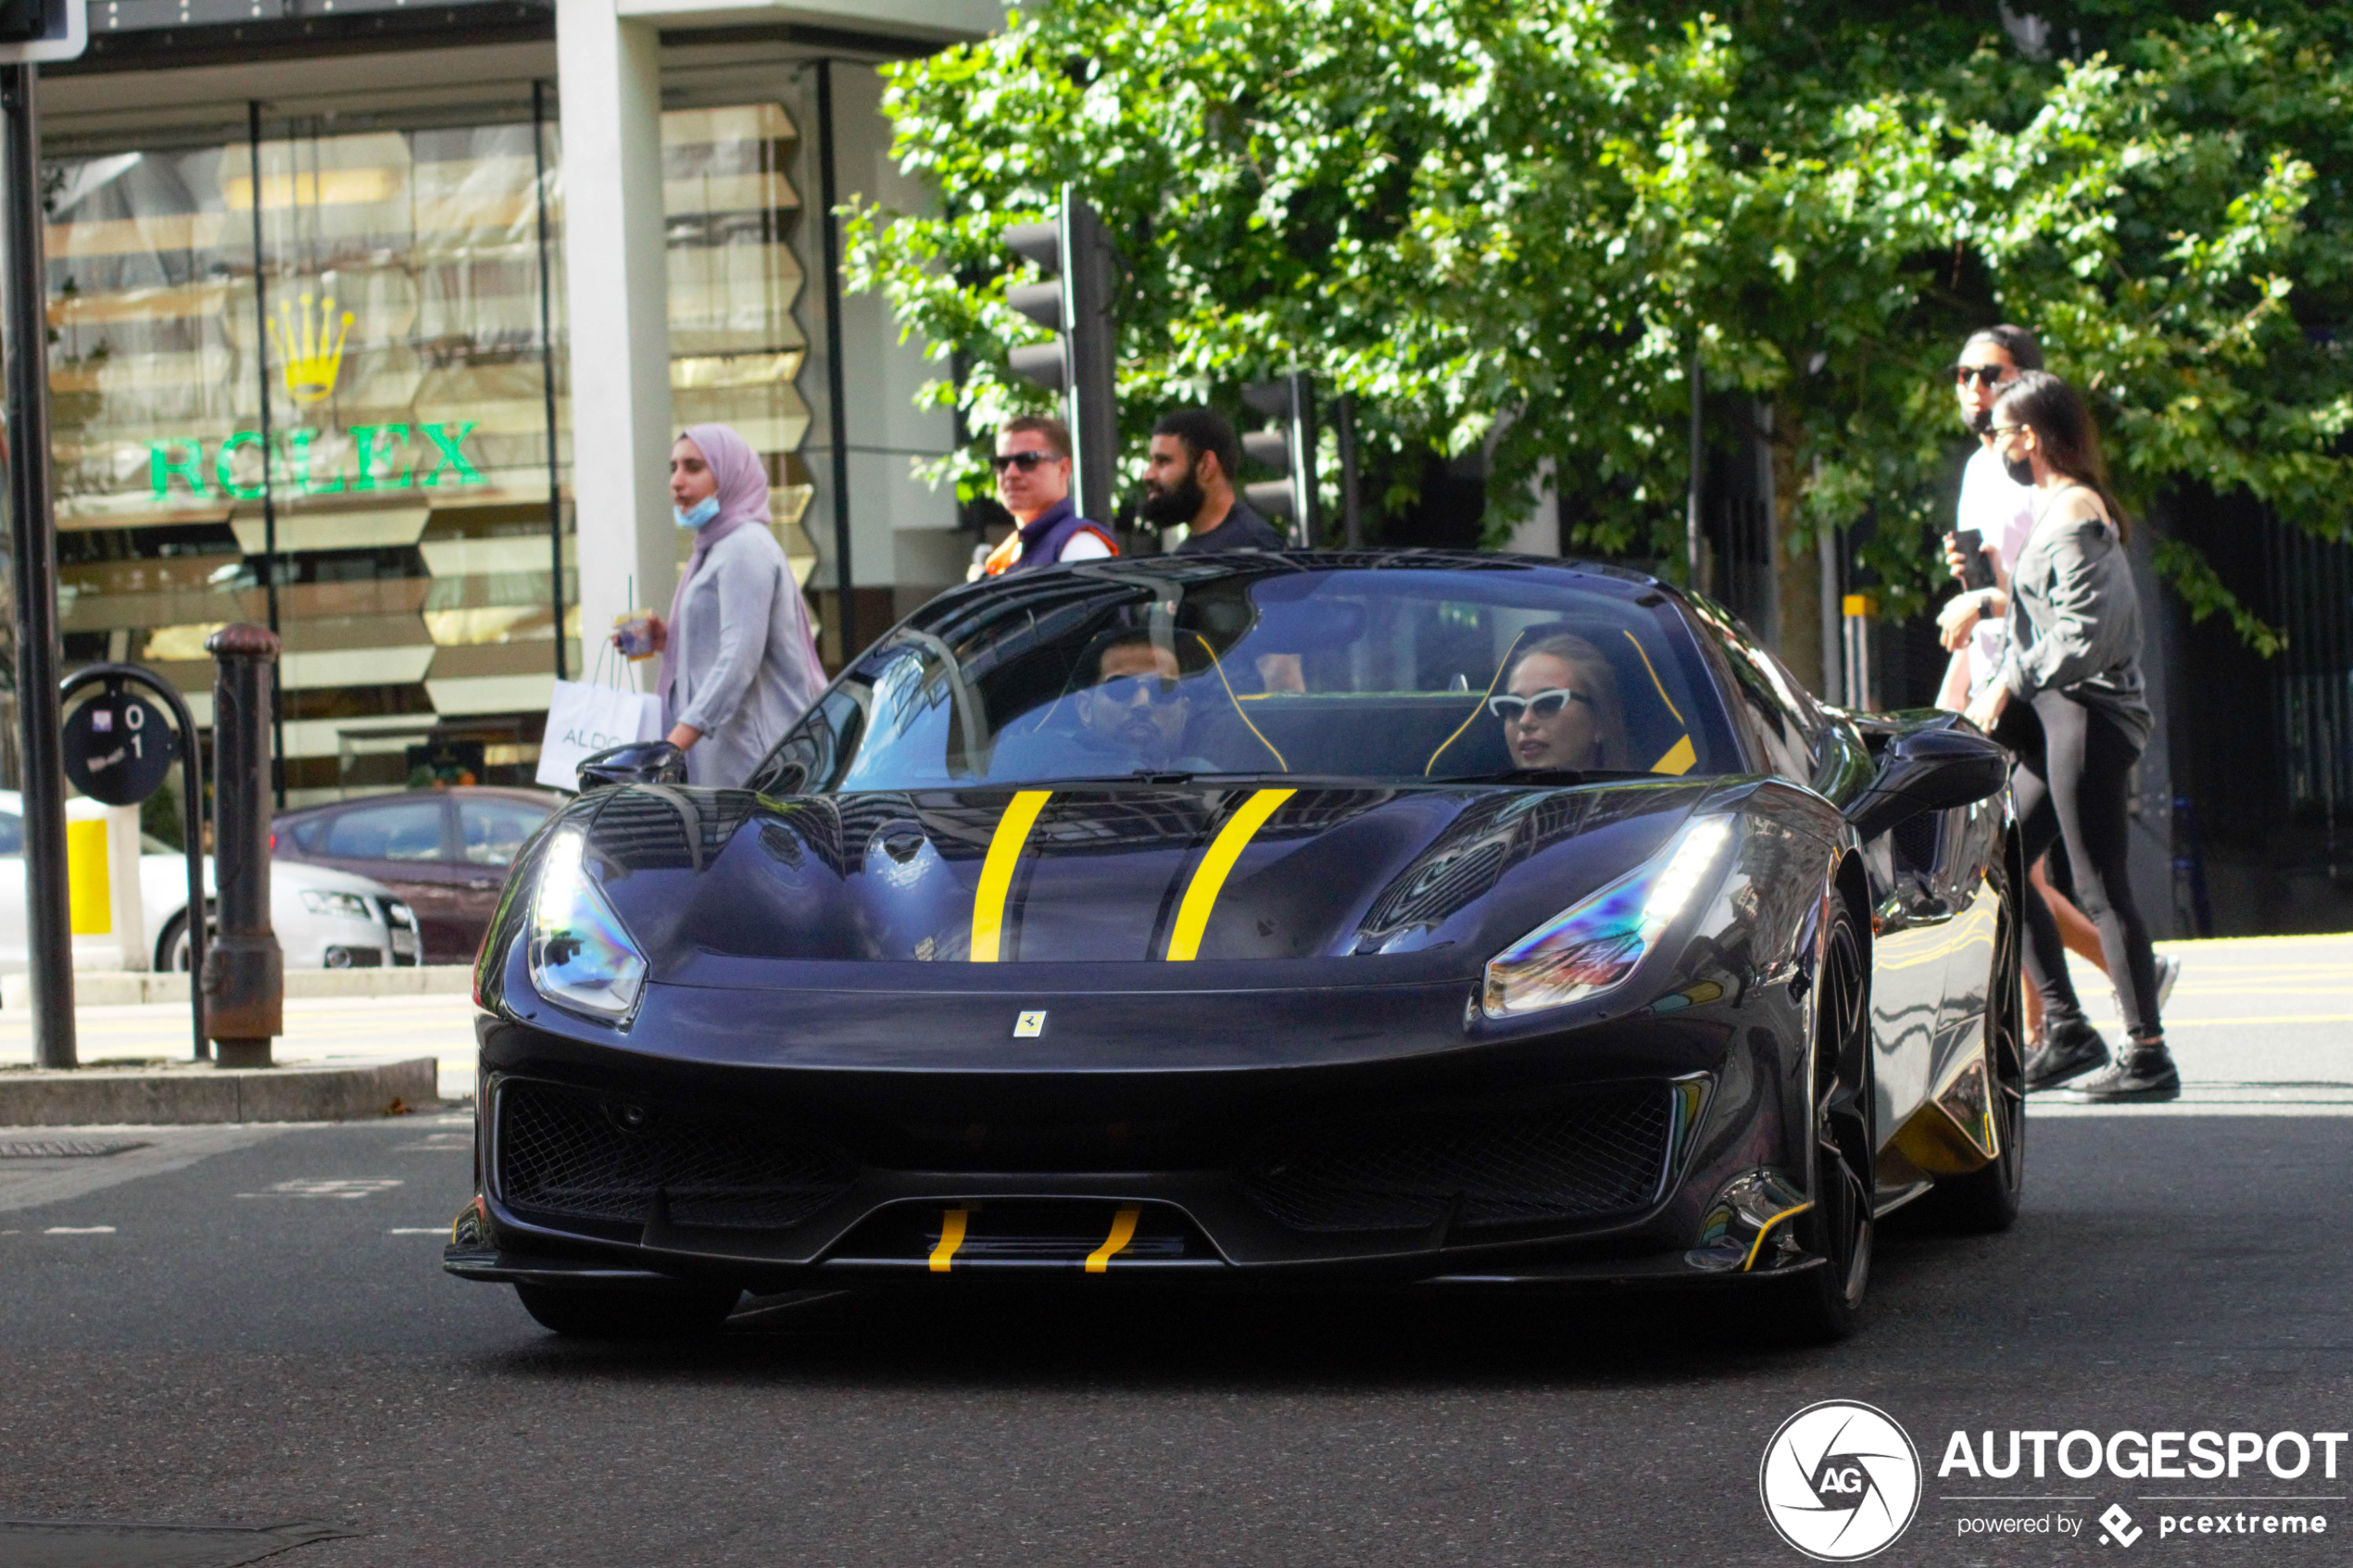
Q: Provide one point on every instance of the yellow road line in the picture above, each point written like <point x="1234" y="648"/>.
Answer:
<point x="1200" y="898"/>
<point x="1123" y="1231"/>
<point x="2174" y="1021"/>
<point x="997" y="871"/>
<point x="951" y="1237"/>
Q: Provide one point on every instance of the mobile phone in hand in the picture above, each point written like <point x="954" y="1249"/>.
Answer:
<point x="1976" y="571"/>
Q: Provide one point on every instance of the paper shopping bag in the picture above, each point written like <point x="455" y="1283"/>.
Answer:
<point x="586" y="718"/>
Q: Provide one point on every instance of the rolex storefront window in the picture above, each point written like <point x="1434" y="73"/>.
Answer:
<point x="398" y="338"/>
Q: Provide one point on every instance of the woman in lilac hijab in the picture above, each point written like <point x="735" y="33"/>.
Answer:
<point x="738" y="665"/>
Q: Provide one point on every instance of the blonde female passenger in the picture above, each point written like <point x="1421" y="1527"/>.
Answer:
<point x="1559" y="706"/>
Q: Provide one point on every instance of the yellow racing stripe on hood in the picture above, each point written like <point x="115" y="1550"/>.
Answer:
<point x="1200" y="898"/>
<point x="997" y="871"/>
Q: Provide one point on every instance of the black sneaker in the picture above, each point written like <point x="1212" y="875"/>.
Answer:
<point x="2069" y="1050"/>
<point x="2142" y="1072"/>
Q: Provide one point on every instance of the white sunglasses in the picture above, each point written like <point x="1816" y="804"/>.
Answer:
<point x="1544" y="705"/>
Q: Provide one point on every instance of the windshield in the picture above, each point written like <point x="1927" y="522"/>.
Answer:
<point x="1386" y="669"/>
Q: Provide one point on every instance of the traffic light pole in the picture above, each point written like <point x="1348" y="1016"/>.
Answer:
<point x="34" y="554"/>
<point x="1074" y="299"/>
<point x="1094" y="359"/>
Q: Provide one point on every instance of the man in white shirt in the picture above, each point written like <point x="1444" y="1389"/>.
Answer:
<point x="1997" y="507"/>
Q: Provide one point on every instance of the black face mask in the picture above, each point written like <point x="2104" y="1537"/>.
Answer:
<point x="2020" y="470"/>
<point x="1162" y="508"/>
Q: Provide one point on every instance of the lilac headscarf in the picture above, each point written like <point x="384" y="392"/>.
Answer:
<point x="743" y="498"/>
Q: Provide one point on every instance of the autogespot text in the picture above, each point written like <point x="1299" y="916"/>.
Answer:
<point x="2137" y="1456"/>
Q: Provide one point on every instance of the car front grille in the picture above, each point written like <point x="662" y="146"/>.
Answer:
<point x="1580" y="1158"/>
<point x="576" y="1154"/>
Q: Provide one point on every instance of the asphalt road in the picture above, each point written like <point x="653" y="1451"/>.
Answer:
<point x="242" y="1326"/>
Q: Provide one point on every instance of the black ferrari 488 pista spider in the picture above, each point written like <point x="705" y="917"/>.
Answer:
<point x="1413" y="918"/>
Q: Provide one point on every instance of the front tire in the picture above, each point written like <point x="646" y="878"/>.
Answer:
<point x="1821" y="1304"/>
<point x="630" y="1312"/>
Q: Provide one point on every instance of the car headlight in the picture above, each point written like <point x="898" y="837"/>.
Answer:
<point x="398" y="913"/>
<point x="581" y="953"/>
<point x="343" y="906"/>
<point x="1587" y="949"/>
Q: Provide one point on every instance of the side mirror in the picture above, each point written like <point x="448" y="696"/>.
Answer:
<point x="1928" y="769"/>
<point x="644" y="761"/>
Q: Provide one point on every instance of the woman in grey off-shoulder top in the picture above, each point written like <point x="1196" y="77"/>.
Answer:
<point x="2069" y="704"/>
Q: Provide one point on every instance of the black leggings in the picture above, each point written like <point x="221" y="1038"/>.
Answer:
<point x="2072" y="782"/>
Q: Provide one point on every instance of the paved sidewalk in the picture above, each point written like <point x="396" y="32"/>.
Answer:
<point x="2260" y="1024"/>
<point x="321" y="1030"/>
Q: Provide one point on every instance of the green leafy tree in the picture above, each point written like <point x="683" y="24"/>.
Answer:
<point x="1507" y="226"/>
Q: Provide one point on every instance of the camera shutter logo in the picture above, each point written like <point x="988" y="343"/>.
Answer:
<point x="1840" y="1481"/>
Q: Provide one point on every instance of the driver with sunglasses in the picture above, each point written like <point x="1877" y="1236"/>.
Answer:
<point x="1559" y="706"/>
<point x="1136" y="708"/>
<point x="1033" y="481"/>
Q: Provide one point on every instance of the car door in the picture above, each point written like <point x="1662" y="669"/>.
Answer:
<point x="403" y="842"/>
<point x="491" y="830"/>
<point x="1909" y="948"/>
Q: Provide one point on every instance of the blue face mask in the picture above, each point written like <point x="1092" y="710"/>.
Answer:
<point x="702" y="511"/>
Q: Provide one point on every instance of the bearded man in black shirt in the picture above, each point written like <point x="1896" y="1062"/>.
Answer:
<point x="1190" y="479"/>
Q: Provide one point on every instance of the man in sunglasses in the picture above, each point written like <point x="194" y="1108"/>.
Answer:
<point x="1135" y="711"/>
<point x="1033" y="481"/>
<point x="1993" y="506"/>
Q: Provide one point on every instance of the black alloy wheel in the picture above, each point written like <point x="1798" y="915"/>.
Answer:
<point x="1822" y="1302"/>
<point x="1985" y="1201"/>
<point x="634" y="1311"/>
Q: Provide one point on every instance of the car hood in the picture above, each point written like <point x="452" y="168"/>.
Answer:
<point x="717" y="884"/>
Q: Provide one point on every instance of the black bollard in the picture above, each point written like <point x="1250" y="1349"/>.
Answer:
<point x="244" y="974"/>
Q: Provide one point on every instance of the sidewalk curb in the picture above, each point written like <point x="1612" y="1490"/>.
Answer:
<point x="120" y="988"/>
<point x="97" y="1096"/>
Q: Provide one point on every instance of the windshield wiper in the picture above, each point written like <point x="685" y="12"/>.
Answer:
<point x="1551" y="776"/>
<point x="1140" y="777"/>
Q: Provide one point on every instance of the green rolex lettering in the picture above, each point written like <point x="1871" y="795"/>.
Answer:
<point x="367" y="436"/>
<point x="224" y="465"/>
<point x="448" y="454"/>
<point x="299" y="464"/>
<point x="160" y="467"/>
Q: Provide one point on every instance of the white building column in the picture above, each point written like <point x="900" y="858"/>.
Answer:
<point x="617" y="304"/>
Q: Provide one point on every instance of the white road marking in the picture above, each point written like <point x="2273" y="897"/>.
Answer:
<point x="347" y="1186"/>
<point x="31" y="1184"/>
<point x="78" y="1230"/>
<point x="418" y="1230"/>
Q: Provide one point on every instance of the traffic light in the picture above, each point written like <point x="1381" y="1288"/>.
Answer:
<point x="1076" y="266"/>
<point x="1288" y="447"/>
<point x="42" y="30"/>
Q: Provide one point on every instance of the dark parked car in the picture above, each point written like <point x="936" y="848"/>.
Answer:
<point x="444" y="851"/>
<point x="1262" y="918"/>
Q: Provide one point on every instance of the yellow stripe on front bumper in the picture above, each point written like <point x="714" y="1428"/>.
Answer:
<point x="997" y="871"/>
<point x="1123" y="1231"/>
<point x="951" y="1237"/>
<point x="1200" y="898"/>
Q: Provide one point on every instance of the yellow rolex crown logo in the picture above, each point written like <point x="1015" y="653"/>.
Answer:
<point x="311" y="351"/>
